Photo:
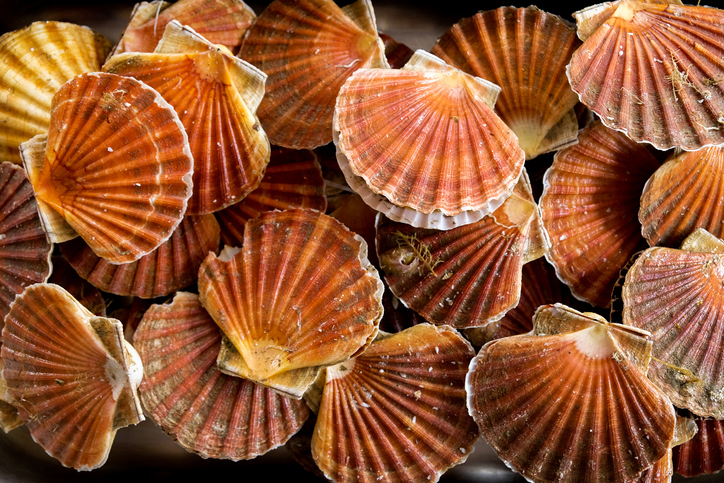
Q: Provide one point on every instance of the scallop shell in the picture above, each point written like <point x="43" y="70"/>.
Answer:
<point x="9" y="418"/>
<point x="397" y="413"/>
<point x="308" y="49"/>
<point x="704" y="454"/>
<point x="171" y="267"/>
<point x="115" y="167"/>
<point x="682" y="195"/>
<point x="215" y="95"/>
<point x="525" y="52"/>
<point x="36" y="61"/>
<point x="293" y="179"/>
<point x="299" y="295"/>
<point x="677" y="295"/>
<point x="654" y="72"/>
<point x="24" y="248"/>
<point x="660" y="472"/>
<point x="207" y="412"/>
<point x="447" y="160"/>
<point x="71" y="375"/>
<point x="220" y="21"/>
<point x="468" y="276"/>
<point x="570" y="401"/>
<point x="84" y="292"/>
<point x="589" y="205"/>
<point x="396" y="53"/>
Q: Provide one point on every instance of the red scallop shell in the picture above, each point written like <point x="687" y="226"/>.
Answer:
<point x="704" y="454"/>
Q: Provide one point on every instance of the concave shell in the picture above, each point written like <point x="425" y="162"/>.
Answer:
<point x="571" y="401"/>
<point x="115" y="167"/>
<point x="293" y="179"/>
<point x="397" y="413"/>
<point x="24" y="248"/>
<point x="215" y="95"/>
<point x="220" y="21"/>
<point x="71" y="375"/>
<point x="590" y="204"/>
<point x="205" y="411"/>
<point x="525" y="51"/>
<point x="34" y="62"/>
<point x="704" y="454"/>
<point x="678" y="296"/>
<point x="171" y="267"/>
<point x="298" y="296"/>
<point x="308" y="49"/>
<point x="654" y="72"/>
<point x="468" y="276"/>
<point x="682" y="195"/>
<point x="396" y="53"/>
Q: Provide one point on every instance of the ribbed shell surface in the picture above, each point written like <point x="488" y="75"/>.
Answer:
<point x="704" y="454"/>
<point x="590" y="204"/>
<point x="654" y="73"/>
<point x="308" y="49"/>
<point x="171" y="267"/>
<point x="660" y="472"/>
<point x="207" y="412"/>
<point x="36" y="61"/>
<point x="397" y="413"/>
<point x="525" y="51"/>
<point x="678" y="296"/>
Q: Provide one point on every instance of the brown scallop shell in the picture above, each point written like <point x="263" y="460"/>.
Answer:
<point x="34" y="62"/>
<point x="659" y="472"/>
<point x="397" y="413"/>
<point x="654" y="72"/>
<point x="396" y="53"/>
<point x="571" y="401"/>
<point x="205" y="411"/>
<point x="171" y="267"/>
<point x="71" y="375"/>
<point x="590" y="204"/>
<point x="525" y="52"/>
<point x="457" y="276"/>
<point x="704" y="454"/>
<point x="9" y="417"/>
<point x="293" y="179"/>
<point x="308" y="49"/>
<point x="298" y="296"/>
<point x="83" y="291"/>
<point x="115" y="167"/>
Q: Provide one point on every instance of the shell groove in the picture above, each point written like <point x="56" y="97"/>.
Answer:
<point x="704" y="454"/>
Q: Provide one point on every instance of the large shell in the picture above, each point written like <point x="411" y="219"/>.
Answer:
<point x="207" y="412"/>
<point x="654" y="72"/>
<point x="171" y="267"/>
<point x="704" y="454"/>
<point x="571" y="401"/>
<point x="446" y="160"/>
<point x="215" y="95"/>
<point x="34" y="63"/>
<point x="115" y="167"/>
<point x="590" y="204"/>
<point x="308" y="49"/>
<point x="524" y="51"/>
<point x="300" y="295"/>
<point x="468" y="276"/>
<point x="71" y="375"/>
<point x="397" y="413"/>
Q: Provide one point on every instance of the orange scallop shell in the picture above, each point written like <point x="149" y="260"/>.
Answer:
<point x="205" y="411"/>
<point x="397" y="413"/>
<point x="704" y="454"/>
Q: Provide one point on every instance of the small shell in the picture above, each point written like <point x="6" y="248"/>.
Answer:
<point x="207" y="412"/>
<point x="9" y="417"/>
<point x="397" y="54"/>
<point x="115" y="167"/>
<point x="83" y="291"/>
<point x="71" y="375"/>
<point x="298" y="296"/>
<point x="397" y="413"/>
<point x="704" y="454"/>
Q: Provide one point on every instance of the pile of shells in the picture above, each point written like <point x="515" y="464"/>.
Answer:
<point x="291" y="229"/>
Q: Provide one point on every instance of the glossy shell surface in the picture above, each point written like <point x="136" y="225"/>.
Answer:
<point x="704" y="454"/>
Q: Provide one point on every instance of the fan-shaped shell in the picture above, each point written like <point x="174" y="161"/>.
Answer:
<point x="115" y="166"/>
<point x="468" y="276"/>
<point x="524" y="51"/>
<point x="446" y="155"/>
<point x="34" y="62"/>
<point x="71" y="375"/>
<point x="299" y="295"/>
<point x="704" y="454"/>
<point x="397" y="413"/>
<point x="308" y="49"/>
<point x="589" y="206"/>
<point x="171" y="267"/>
<point x="570" y="401"/>
<point x="654" y="72"/>
<point x="207" y="412"/>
